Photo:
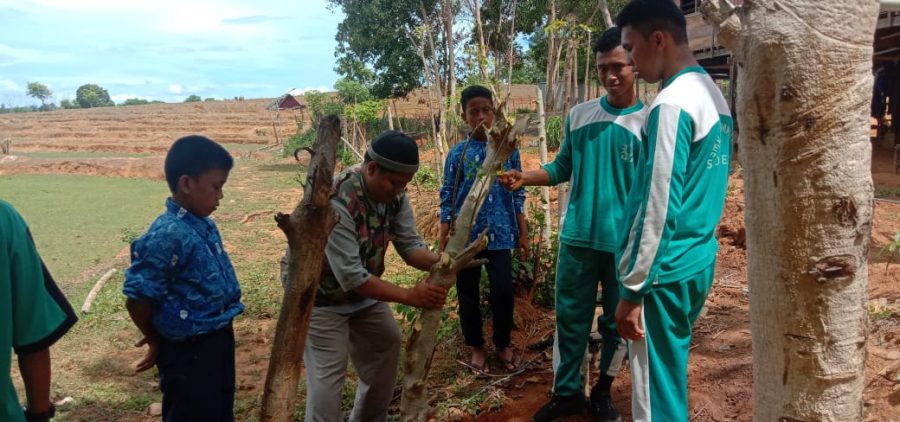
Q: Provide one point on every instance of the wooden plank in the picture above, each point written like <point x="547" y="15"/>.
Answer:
<point x="700" y="34"/>
<point x="888" y="20"/>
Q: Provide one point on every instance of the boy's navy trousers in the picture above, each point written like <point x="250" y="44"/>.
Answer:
<point x="196" y="377"/>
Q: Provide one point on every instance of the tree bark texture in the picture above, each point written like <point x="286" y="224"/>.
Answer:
<point x="307" y="229"/>
<point x="545" y="190"/>
<point x="604" y="10"/>
<point x="804" y="88"/>
<point x="482" y="47"/>
<point x="435" y="98"/>
<point x="552" y="58"/>
<point x="449" y="19"/>
<point x="456" y="256"/>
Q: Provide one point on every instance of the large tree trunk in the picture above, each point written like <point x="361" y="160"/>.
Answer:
<point x="803" y="102"/>
<point x="456" y="256"/>
<point x="307" y="229"/>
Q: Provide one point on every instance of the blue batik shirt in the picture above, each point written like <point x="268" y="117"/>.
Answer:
<point x="498" y="214"/>
<point x="180" y="268"/>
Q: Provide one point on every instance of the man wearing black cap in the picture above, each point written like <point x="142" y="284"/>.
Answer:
<point x="350" y="318"/>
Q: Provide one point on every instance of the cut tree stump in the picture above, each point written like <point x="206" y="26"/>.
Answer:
<point x="307" y="229"/>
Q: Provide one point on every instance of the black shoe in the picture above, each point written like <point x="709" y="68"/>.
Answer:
<point x="560" y="407"/>
<point x="602" y="409"/>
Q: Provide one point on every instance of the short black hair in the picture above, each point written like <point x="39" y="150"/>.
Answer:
<point x="647" y="16"/>
<point x="474" y="91"/>
<point x="192" y="156"/>
<point x="608" y="40"/>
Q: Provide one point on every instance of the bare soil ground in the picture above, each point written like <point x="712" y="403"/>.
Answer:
<point x="145" y="128"/>
<point x="721" y="360"/>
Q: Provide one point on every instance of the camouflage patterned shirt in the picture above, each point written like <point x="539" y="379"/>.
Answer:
<point x="357" y="245"/>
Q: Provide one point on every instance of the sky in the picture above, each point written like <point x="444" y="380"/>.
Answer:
<point x="166" y="49"/>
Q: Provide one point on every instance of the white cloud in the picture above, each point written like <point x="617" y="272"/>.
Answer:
<point x="300" y="91"/>
<point x="94" y="5"/>
<point x="13" y="56"/>
<point x="168" y="48"/>
<point x="8" y="85"/>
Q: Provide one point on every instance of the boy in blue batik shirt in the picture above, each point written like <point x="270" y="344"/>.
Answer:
<point x="182" y="290"/>
<point x="502" y="214"/>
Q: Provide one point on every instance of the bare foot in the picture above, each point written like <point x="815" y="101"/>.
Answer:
<point x="508" y="356"/>
<point x="479" y="357"/>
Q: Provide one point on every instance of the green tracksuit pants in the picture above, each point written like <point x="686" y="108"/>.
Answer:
<point x="659" y="361"/>
<point x="577" y="273"/>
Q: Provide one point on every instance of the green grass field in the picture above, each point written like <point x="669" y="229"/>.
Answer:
<point x="79" y="221"/>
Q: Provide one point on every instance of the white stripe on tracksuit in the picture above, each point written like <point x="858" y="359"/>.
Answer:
<point x="654" y="208"/>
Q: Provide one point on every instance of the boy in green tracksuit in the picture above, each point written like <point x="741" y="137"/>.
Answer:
<point x="34" y="314"/>
<point x="667" y="257"/>
<point x="597" y="156"/>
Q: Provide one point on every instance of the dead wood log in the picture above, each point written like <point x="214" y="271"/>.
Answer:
<point x="89" y="300"/>
<point x="307" y="229"/>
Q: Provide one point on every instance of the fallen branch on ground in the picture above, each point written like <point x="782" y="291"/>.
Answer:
<point x="253" y="215"/>
<point x="89" y="300"/>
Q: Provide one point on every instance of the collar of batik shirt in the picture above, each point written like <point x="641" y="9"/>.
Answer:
<point x="202" y="225"/>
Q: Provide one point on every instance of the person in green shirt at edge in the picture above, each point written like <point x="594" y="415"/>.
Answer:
<point x="596" y="156"/>
<point x="34" y="314"/>
<point x="667" y="256"/>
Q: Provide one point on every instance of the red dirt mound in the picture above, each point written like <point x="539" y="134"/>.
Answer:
<point x="148" y="168"/>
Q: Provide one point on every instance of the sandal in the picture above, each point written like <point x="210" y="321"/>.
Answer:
<point x="511" y="364"/>
<point x="477" y="370"/>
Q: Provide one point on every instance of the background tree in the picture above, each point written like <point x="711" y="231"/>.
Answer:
<point x="806" y="155"/>
<point x="92" y="95"/>
<point x="352" y="91"/>
<point x="373" y="47"/>
<point x="504" y="22"/>
<point x="135" y="101"/>
<point x="68" y="104"/>
<point x="193" y="99"/>
<point x="39" y="91"/>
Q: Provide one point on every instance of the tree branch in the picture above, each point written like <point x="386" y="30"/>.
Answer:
<point x="723" y="16"/>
